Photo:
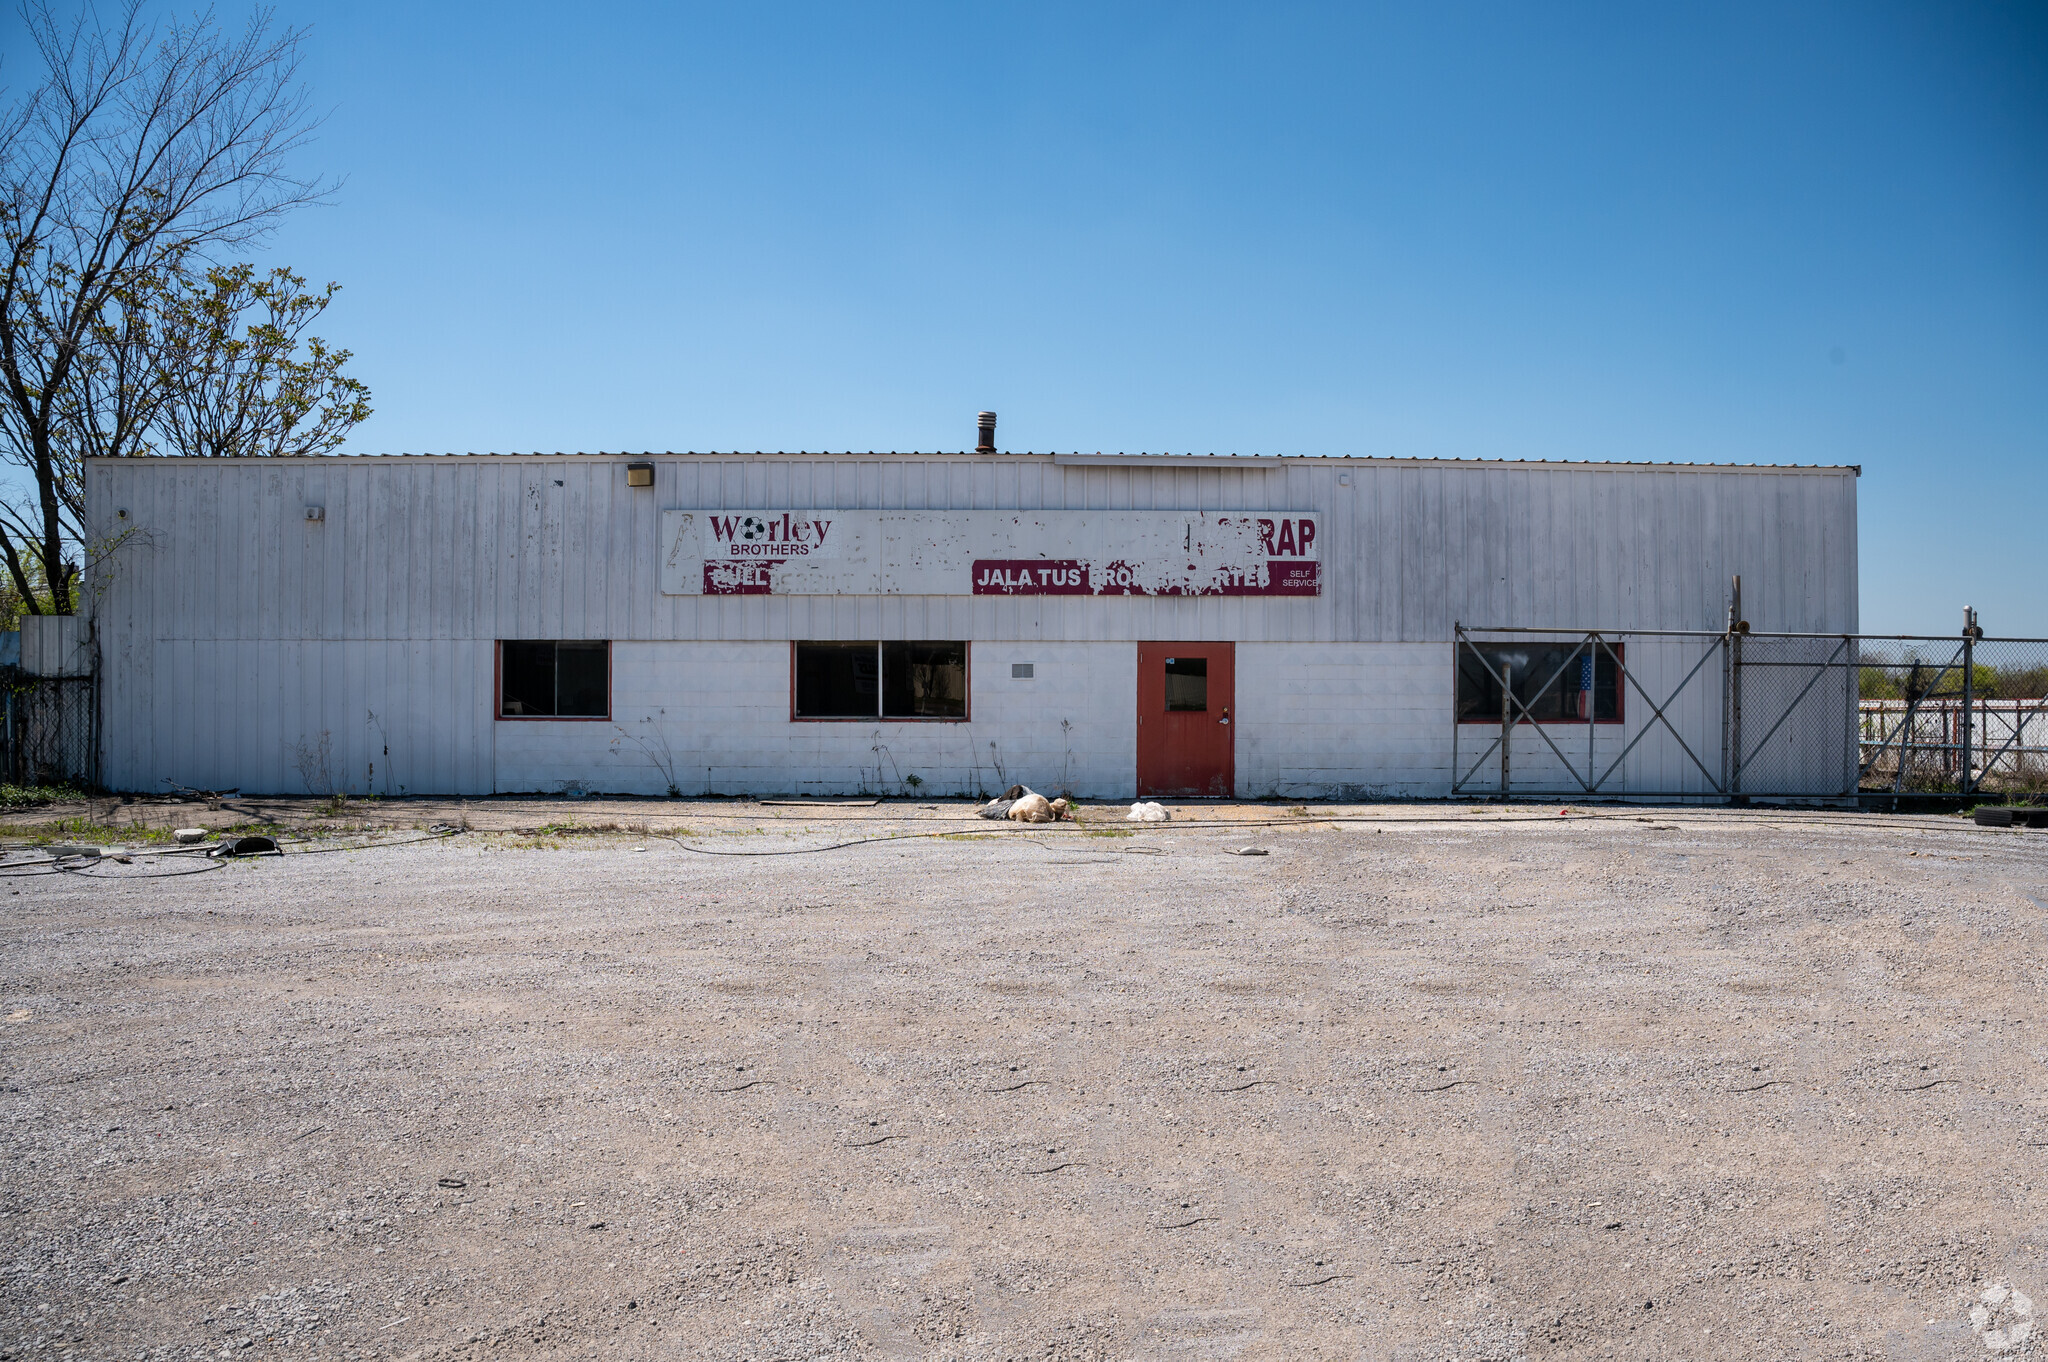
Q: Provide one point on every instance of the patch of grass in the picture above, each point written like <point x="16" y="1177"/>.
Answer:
<point x="36" y="796"/>
<point x="135" y="834"/>
<point x="127" y="834"/>
<point x="1297" y="810"/>
<point x="1106" y="832"/>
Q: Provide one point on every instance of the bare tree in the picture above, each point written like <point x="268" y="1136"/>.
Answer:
<point x="143" y="149"/>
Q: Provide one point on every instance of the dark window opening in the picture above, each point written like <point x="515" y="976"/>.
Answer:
<point x="1589" y="681"/>
<point x="893" y="680"/>
<point x="837" y="681"/>
<point x="924" y="680"/>
<point x="1187" y="684"/>
<point x="554" y="680"/>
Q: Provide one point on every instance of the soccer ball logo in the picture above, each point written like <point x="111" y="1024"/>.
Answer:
<point x="751" y="529"/>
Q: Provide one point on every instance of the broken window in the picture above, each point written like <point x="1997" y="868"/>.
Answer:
<point x="547" y="679"/>
<point x="908" y="680"/>
<point x="1187" y="683"/>
<point x="924" y="680"/>
<point x="1582" y="680"/>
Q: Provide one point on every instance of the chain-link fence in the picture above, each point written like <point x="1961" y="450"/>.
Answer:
<point x="50" y="731"/>
<point x="1791" y="719"/>
<point x="1736" y="714"/>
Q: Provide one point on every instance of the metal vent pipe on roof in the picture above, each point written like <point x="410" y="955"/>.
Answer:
<point x="988" y="434"/>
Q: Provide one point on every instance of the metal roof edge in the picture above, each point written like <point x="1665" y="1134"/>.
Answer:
<point x="1377" y="461"/>
<point x="1195" y="462"/>
<point x="604" y="454"/>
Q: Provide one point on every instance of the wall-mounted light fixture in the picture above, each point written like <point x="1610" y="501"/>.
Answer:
<point x="639" y="475"/>
<point x="316" y="513"/>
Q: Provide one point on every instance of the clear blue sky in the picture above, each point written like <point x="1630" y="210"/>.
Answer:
<point x="1806" y="233"/>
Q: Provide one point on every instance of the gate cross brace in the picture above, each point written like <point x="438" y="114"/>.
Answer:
<point x="1742" y="762"/>
<point x="1658" y="710"/>
<point x="1527" y="714"/>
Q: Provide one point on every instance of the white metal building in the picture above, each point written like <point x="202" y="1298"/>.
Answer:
<point x="904" y="623"/>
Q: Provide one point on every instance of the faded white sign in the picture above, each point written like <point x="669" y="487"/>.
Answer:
<point x="990" y="553"/>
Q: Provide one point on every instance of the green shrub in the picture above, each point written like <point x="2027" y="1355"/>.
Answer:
<point x="35" y="796"/>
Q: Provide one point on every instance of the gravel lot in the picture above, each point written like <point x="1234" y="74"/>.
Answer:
<point x="1423" y="1084"/>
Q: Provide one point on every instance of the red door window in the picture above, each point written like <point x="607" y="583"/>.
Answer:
<point x="1187" y="696"/>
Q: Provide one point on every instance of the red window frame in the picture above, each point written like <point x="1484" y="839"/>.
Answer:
<point x="1620" y="686"/>
<point x="498" y="686"/>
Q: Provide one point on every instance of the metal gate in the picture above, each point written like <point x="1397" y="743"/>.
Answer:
<point x="1695" y="715"/>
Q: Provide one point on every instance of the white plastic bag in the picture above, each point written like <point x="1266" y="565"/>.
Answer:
<point x="1147" y="812"/>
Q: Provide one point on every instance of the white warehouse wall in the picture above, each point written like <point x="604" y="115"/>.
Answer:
<point x="243" y="645"/>
<point x="298" y="717"/>
<point x="1352" y="721"/>
<point x="1358" y="721"/>
<point x="714" y="717"/>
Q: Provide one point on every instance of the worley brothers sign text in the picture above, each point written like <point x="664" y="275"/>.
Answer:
<point x="990" y="553"/>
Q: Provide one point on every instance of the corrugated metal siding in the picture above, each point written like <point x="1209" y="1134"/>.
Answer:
<point x="561" y="548"/>
<point x="53" y="645"/>
<point x="235" y="633"/>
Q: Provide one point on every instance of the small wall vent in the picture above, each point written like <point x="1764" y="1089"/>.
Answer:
<point x="639" y="475"/>
<point x="316" y="513"/>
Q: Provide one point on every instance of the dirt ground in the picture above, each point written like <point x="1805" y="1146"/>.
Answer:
<point x="1420" y="1083"/>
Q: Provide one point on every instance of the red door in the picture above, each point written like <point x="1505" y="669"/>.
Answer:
<point x="1186" y="693"/>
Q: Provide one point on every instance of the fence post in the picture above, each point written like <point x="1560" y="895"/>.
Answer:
<point x="1727" y="702"/>
<point x="1507" y="692"/>
<point x="1737" y="627"/>
<point x="1457" y="677"/>
<point x="1852" y="692"/>
<point x="1590" y="671"/>
<point x="1971" y="633"/>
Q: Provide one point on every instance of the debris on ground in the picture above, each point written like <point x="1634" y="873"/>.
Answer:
<point x="244" y="846"/>
<point x="1062" y="808"/>
<point x="999" y="807"/>
<point x="1032" y="808"/>
<point x="190" y="835"/>
<point x="2012" y="816"/>
<point x="1147" y="811"/>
